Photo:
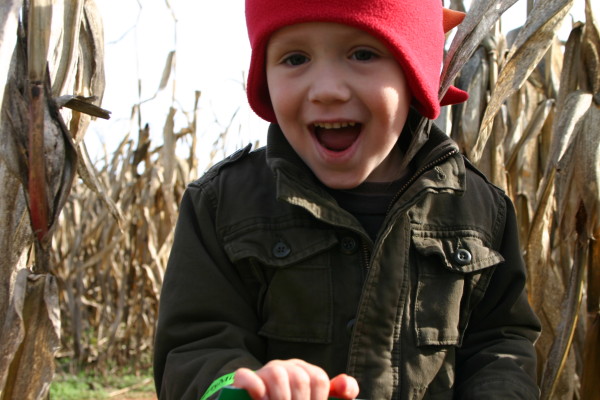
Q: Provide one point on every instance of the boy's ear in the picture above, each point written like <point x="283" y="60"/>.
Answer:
<point x="451" y="19"/>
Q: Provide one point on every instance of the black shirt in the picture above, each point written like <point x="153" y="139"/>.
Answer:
<point x="369" y="202"/>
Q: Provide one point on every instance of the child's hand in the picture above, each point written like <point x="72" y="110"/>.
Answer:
<point x="294" y="380"/>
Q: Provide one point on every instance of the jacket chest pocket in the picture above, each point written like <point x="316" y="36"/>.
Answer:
<point x="454" y="268"/>
<point x="293" y="267"/>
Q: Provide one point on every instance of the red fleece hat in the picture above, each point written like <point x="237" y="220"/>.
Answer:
<point x="412" y="30"/>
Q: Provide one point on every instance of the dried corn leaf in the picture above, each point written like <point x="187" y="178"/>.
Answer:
<point x="497" y="159"/>
<point x="37" y="312"/>
<point x="591" y="360"/>
<point x="15" y="231"/>
<point x="192" y="160"/>
<point x="475" y="27"/>
<point x="12" y="330"/>
<point x="169" y="163"/>
<point x="90" y="80"/>
<point x="83" y="104"/>
<point x="530" y="46"/>
<point x="551" y="66"/>
<point x="521" y="107"/>
<point x="579" y="183"/>
<point x="569" y="115"/>
<point x="168" y="149"/>
<point x="38" y="38"/>
<point x="65" y="45"/>
<point x="522" y="167"/>
<point x="538" y="241"/>
<point x="593" y="289"/>
<point x="166" y="75"/>
<point x="88" y="174"/>
<point x="590" y="53"/>
<point x="46" y="156"/>
<point x="532" y="130"/>
<point x="566" y="329"/>
<point x="9" y="19"/>
<point x="569" y="76"/>
<point x="169" y="65"/>
<point x="61" y="159"/>
<point x="474" y="78"/>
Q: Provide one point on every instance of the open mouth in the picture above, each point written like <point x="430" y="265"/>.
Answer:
<point x="336" y="136"/>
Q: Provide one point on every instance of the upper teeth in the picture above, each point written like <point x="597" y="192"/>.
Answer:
<point x="334" y="125"/>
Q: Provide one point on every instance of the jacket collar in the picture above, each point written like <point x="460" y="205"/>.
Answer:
<point x="438" y="166"/>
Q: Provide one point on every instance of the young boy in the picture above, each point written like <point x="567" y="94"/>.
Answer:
<point x="319" y="257"/>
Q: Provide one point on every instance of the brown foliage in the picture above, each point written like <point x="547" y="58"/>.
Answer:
<point x="110" y="269"/>
<point x="532" y="126"/>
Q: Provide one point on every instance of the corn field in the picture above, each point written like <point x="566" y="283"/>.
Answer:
<point x="85" y="244"/>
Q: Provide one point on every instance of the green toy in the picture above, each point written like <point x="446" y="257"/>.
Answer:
<point x="232" y="393"/>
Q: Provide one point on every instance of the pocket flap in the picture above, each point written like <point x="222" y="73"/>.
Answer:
<point x="279" y="247"/>
<point x="461" y="251"/>
<point x="452" y="265"/>
<point x="294" y="265"/>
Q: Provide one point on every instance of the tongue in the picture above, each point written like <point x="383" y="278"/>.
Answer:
<point x="337" y="139"/>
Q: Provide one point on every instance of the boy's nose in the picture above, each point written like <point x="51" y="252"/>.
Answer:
<point x="328" y="86"/>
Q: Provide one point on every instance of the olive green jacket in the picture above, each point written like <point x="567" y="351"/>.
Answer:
<point x="265" y="265"/>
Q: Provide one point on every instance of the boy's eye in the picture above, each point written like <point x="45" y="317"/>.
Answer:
<point x="363" y="55"/>
<point x="295" y="59"/>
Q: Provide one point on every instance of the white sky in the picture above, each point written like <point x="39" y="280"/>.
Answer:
<point x="212" y="53"/>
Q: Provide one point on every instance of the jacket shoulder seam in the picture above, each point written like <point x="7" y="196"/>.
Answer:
<point x="214" y="171"/>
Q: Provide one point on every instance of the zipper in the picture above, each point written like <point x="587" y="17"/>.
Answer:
<point x="417" y="174"/>
<point x="365" y="247"/>
<point x="366" y="253"/>
<point x="366" y="258"/>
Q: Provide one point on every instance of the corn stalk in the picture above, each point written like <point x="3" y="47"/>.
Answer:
<point x="532" y="125"/>
<point x="110" y="272"/>
<point x="37" y="169"/>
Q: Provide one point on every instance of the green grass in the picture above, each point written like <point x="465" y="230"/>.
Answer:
<point x="90" y="386"/>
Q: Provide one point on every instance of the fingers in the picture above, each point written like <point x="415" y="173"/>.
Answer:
<point x="318" y="381"/>
<point x="284" y="380"/>
<point x="344" y="387"/>
<point x="276" y="377"/>
<point x="247" y="379"/>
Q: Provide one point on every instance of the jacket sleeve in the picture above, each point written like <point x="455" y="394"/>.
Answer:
<point x="207" y="324"/>
<point x="497" y="358"/>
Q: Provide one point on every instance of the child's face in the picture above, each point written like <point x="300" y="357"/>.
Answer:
<point x="341" y="100"/>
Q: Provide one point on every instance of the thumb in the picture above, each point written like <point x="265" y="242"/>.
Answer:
<point x="343" y="387"/>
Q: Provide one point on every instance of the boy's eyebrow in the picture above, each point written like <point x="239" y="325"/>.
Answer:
<point x="276" y="42"/>
<point x="299" y="39"/>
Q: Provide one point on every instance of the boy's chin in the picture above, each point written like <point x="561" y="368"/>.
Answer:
<point x="336" y="182"/>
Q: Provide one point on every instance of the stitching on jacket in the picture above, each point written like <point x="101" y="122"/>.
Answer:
<point x="500" y="222"/>
<point x="438" y="232"/>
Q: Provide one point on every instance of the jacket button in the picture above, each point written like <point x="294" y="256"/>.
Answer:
<point x="350" y="326"/>
<point x="281" y="249"/>
<point x="348" y="245"/>
<point x="462" y="257"/>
